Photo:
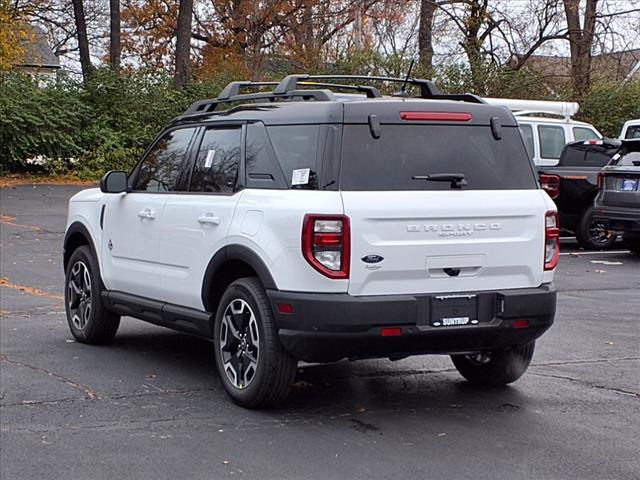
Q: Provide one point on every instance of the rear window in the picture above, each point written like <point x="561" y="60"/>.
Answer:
<point x="633" y="131"/>
<point x="628" y="155"/>
<point x="590" y="156"/>
<point x="404" y="151"/>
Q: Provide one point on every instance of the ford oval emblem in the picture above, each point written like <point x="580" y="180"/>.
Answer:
<point x="372" y="259"/>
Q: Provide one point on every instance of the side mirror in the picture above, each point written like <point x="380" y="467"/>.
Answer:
<point x="114" y="181"/>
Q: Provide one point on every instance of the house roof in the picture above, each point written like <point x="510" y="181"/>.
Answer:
<point x="37" y="52"/>
<point x="616" y="66"/>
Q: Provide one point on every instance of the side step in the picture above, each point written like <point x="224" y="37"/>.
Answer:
<point x="164" y="314"/>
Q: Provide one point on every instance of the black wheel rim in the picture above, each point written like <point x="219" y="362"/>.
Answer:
<point x="599" y="234"/>
<point x="239" y="343"/>
<point x="79" y="295"/>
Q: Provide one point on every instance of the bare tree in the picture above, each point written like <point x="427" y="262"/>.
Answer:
<point x="183" y="43"/>
<point x="425" y="33"/>
<point x="115" y="47"/>
<point x="83" y="41"/>
<point x="581" y="42"/>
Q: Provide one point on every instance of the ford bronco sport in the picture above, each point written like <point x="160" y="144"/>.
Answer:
<point x="307" y="224"/>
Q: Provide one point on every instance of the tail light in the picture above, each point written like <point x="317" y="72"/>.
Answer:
<point x="551" y="240"/>
<point x="600" y="180"/>
<point x="326" y="244"/>
<point x="550" y="184"/>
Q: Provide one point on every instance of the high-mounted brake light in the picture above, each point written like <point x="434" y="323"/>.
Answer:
<point x="326" y="244"/>
<point x="593" y="141"/>
<point x="436" y="116"/>
<point x="550" y="184"/>
<point x="551" y="240"/>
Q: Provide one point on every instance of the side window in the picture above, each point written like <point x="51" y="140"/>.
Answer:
<point x="296" y="148"/>
<point x="262" y="167"/>
<point x="216" y="167"/>
<point x="527" y="135"/>
<point x="160" y="169"/>
<point x="552" y="141"/>
<point x="582" y="133"/>
<point x="633" y="131"/>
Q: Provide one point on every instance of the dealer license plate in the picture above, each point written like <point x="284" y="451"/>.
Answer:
<point x="454" y="310"/>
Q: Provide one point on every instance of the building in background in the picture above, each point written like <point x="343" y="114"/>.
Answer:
<point x="38" y="59"/>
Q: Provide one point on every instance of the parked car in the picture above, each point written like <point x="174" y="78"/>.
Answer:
<point x="544" y="136"/>
<point x="630" y="129"/>
<point x="618" y="202"/>
<point x="576" y="186"/>
<point x="309" y="225"/>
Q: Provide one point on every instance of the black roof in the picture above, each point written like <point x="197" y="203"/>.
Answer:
<point x="296" y="100"/>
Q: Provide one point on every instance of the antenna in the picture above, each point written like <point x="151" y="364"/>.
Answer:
<point x="403" y="90"/>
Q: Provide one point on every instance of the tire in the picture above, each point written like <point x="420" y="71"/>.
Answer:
<point x="592" y="235"/>
<point x="495" y="368"/>
<point x="88" y="318"/>
<point x="255" y="370"/>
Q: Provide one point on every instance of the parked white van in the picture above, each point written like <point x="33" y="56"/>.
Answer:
<point x="547" y="126"/>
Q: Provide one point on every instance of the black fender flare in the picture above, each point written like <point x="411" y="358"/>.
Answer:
<point x="234" y="252"/>
<point x="77" y="228"/>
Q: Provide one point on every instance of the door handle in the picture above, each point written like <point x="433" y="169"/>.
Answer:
<point x="209" y="218"/>
<point x="147" y="213"/>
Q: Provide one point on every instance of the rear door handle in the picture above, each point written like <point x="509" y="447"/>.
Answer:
<point x="147" y="213"/>
<point x="209" y="218"/>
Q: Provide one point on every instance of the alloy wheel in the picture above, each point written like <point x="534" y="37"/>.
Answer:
<point x="239" y="343"/>
<point x="79" y="295"/>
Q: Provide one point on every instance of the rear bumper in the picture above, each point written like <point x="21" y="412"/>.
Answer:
<point x="329" y="327"/>
<point x="618" y="219"/>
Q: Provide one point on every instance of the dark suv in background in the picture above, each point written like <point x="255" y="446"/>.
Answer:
<point x="617" y="205"/>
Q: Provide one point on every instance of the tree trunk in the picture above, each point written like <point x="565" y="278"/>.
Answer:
<point x="581" y="43"/>
<point x="83" y="40"/>
<point x="357" y="25"/>
<point x="183" y="43"/>
<point x="115" y="48"/>
<point x="425" y="34"/>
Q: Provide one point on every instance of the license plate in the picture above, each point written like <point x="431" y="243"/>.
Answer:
<point x="454" y="310"/>
<point x="629" y="184"/>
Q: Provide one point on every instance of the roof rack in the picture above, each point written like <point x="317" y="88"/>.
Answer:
<point x="290" y="88"/>
<point x="428" y="89"/>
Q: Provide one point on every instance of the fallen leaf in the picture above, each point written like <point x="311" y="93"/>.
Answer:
<point x="226" y="462"/>
<point x="151" y="376"/>
<point x="442" y="434"/>
<point x="600" y="271"/>
<point x="609" y="343"/>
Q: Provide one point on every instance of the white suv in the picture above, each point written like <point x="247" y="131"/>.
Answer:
<point x="309" y="225"/>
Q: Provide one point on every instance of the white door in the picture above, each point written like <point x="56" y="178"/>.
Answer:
<point x="130" y="255"/>
<point x="196" y="223"/>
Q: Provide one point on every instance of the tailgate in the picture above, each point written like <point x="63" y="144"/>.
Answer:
<point x="412" y="242"/>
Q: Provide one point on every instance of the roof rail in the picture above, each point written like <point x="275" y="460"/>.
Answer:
<point x="428" y="89"/>
<point x="289" y="88"/>
<point x="210" y="104"/>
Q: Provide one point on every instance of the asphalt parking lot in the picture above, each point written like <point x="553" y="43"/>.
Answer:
<point x="151" y="406"/>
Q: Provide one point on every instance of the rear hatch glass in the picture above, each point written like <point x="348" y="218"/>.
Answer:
<point x="406" y="151"/>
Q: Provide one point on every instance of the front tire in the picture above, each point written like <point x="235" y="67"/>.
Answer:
<point x="593" y="235"/>
<point x="495" y="368"/>
<point x="255" y="370"/>
<point x="88" y="318"/>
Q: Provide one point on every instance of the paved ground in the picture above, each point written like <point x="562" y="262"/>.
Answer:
<point x="150" y="405"/>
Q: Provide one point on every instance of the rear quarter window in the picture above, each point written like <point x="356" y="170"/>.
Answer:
<point x="404" y="151"/>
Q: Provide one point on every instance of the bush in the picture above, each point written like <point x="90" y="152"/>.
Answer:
<point x="608" y="106"/>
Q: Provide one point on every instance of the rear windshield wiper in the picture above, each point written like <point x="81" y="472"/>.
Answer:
<point x="457" y="179"/>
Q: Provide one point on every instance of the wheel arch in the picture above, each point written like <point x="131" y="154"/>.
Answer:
<point x="76" y="236"/>
<point x="226" y="266"/>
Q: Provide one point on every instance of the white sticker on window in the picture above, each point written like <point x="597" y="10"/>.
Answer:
<point x="209" y="160"/>
<point x="300" y="176"/>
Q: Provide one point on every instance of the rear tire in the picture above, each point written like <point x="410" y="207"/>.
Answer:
<point x="593" y="235"/>
<point x="255" y="370"/>
<point x="88" y="318"/>
<point x="495" y="368"/>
